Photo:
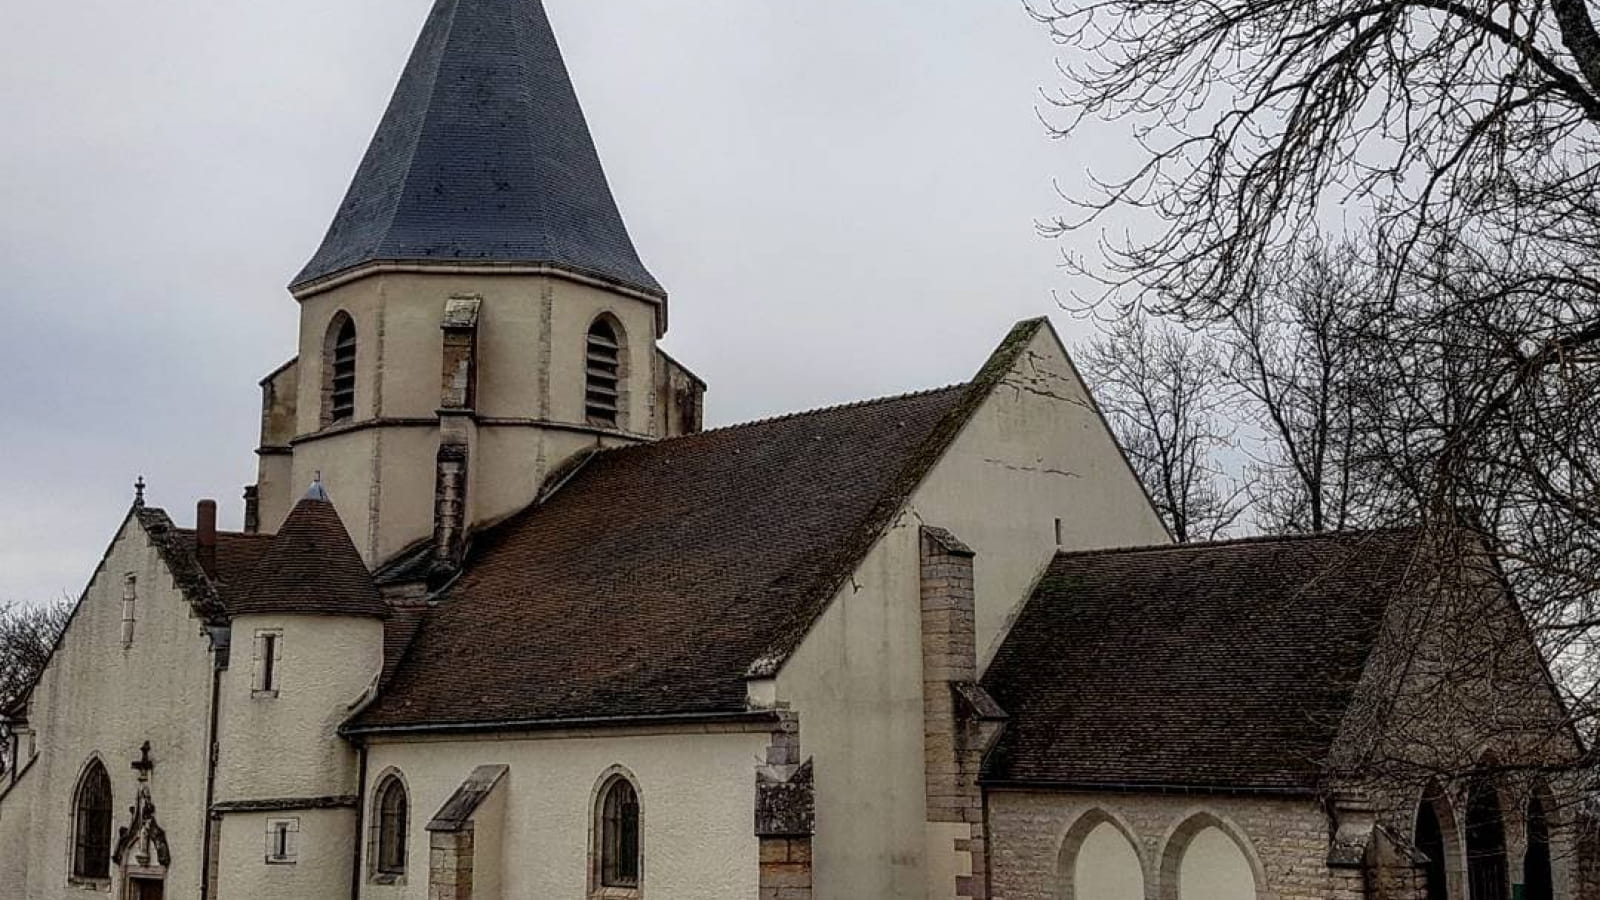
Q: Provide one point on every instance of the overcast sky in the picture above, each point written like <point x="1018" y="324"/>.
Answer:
<point x="840" y="196"/>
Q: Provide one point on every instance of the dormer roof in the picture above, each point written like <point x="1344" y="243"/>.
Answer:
<point x="483" y="158"/>
<point x="311" y="568"/>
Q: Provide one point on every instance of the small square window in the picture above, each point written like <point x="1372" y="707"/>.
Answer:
<point x="283" y="842"/>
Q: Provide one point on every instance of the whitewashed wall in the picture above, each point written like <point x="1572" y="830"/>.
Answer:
<point x="696" y="797"/>
<point x="98" y="698"/>
<point x="1035" y="451"/>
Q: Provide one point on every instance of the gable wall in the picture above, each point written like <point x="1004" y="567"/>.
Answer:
<point x="97" y="698"/>
<point x="1455" y="681"/>
<point x="1034" y="451"/>
<point x="1037" y="450"/>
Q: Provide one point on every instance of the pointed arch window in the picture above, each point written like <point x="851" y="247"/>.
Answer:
<point x="605" y="373"/>
<point x="1537" y="878"/>
<point x="339" y="371"/>
<point x="619" y="834"/>
<point x="393" y="818"/>
<point x="91" y="851"/>
<point x="1486" y="843"/>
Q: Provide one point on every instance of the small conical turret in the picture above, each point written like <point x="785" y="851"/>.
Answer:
<point x="312" y="567"/>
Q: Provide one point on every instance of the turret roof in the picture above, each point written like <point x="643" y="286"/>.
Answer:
<point x="484" y="156"/>
<point x="311" y="568"/>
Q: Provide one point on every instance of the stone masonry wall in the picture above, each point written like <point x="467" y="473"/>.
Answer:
<point x="1287" y="837"/>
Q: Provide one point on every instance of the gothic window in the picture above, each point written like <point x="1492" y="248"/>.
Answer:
<point x="91" y="854"/>
<point x="1537" y="881"/>
<point x="1432" y="840"/>
<point x="392" y="823"/>
<point x="1207" y="858"/>
<point x="605" y="374"/>
<point x="1486" y="843"/>
<point x="339" y="371"/>
<point x="619" y="834"/>
<point x="1099" y="861"/>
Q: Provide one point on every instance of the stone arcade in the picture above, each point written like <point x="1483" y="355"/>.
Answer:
<point x="533" y="633"/>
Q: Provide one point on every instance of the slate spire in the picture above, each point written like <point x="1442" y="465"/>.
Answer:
<point x="484" y="156"/>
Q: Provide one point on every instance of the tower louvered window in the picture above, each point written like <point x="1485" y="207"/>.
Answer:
<point x="91" y="852"/>
<point x="603" y="384"/>
<point x="343" y="397"/>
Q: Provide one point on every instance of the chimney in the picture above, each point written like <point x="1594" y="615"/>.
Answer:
<point x="205" y="536"/>
<point x="252" y="509"/>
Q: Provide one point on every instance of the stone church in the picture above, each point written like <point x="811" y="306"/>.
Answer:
<point x="506" y="623"/>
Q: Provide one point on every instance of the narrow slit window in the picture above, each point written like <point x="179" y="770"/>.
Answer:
<point x="269" y="657"/>
<point x="130" y="599"/>
<point x="343" y="397"/>
<point x="603" y="382"/>
<point x="283" y="841"/>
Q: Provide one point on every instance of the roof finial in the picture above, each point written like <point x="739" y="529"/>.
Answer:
<point x="138" y="492"/>
<point x="317" y="491"/>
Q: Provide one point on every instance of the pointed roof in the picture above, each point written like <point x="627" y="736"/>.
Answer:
<point x="484" y="157"/>
<point x="312" y="568"/>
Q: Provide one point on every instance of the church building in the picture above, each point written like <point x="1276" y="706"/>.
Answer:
<point x="506" y="622"/>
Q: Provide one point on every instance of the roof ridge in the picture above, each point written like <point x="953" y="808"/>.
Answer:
<point x="1248" y="540"/>
<point x="800" y="414"/>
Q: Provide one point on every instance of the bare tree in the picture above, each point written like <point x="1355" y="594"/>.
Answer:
<point x="28" y="633"/>
<point x="1159" y="385"/>
<point x="1296" y="359"/>
<point x="1465" y="138"/>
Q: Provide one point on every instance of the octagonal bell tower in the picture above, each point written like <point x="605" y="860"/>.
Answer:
<point x="477" y="315"/>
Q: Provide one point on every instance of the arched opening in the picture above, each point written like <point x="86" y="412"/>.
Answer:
<point x="605" y="374"/>
<point x="1436" y="838"/>
<point x="618" y="831"/>
<point x="1208" y="859"/>
<point x="91" y="842"/>
<point x="1099" y="860"/>
<point x="339" y="371"/>
<point x="1486" y="842"/>
<point x="1538" y="882"/>
<point x="393" y="817"/>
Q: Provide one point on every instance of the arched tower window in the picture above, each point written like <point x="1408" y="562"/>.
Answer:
<point x="605" y="373"/>
<point x="393" y="820"/>
<point x="1486" y="842"/>
<point x="91" y="851"/>
<point x="1537" y="880"/>
<point x="339" y="371"/>
<point x="618" y="829"/>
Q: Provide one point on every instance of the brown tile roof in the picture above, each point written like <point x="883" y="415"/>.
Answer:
<point x="237" y="555"/>
<point x="311" y="567"/>
<point x="1225" y="665"/>
<point x="661" y="576"/>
